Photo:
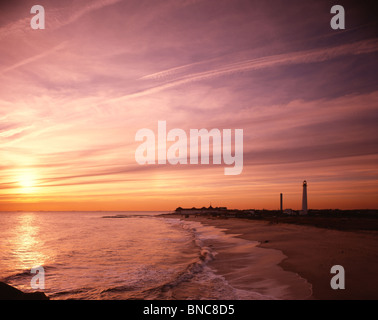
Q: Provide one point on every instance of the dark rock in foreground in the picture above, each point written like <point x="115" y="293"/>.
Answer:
<point x="7" y="292"/>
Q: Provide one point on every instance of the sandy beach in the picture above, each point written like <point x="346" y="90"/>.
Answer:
<point x="307" y="251"/>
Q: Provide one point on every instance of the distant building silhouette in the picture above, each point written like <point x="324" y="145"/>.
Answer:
<point x="202" y="210"/>
<point x="304" y="198"/>
<point x="281" y="207"/>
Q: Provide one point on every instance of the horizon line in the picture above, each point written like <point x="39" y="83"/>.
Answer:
<point x="173" y="210"/>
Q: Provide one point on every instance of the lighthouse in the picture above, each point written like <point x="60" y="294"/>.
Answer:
<point x="304" y="198"/>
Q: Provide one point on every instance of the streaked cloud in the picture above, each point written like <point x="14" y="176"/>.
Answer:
<point x="74" y="95"/>
<point x="309" y="56"/>
<point x="56" y="18"/>
<point x="34" y="58"/>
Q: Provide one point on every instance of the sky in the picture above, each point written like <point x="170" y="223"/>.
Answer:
<point x="74" y="95"/>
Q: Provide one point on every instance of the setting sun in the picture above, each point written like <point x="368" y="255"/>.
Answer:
<point x="27" y="183"/>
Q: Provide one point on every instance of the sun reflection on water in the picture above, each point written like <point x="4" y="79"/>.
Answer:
<point x="28" y="247"/>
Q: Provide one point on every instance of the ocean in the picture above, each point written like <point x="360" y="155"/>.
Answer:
<point x="128" y="255"/>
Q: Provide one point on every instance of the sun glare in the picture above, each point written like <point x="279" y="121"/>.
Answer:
<point x="27" y="183"/>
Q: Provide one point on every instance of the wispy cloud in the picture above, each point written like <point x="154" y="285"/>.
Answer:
<point x="55" y="18"/>
<point x="35" y="57"/>
<point x="74" y="95"/>
<point x="301" y="57"/>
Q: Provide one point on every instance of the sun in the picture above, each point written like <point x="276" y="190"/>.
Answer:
<point x="27" y="183"/>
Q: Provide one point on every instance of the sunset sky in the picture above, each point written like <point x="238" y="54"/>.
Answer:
<point x="73" y="96"/>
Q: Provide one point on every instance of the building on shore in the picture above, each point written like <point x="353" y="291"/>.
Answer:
<point x="203" y="210"/>
<point x="290" y="212"/>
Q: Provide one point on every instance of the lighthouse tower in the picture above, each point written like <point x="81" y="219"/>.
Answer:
<point x="304" y="198"/>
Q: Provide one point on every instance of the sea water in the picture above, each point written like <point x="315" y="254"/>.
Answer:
<point x="109" y="255"/>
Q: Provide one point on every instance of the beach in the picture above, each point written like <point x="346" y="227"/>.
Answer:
<point x="308" y="251"/>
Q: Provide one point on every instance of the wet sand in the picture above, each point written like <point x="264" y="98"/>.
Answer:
<point x="307" y="251"/>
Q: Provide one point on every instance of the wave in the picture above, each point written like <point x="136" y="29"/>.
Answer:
<point x="207" y="283"/>
<point x="164" y="288"/>
<point x="197" y="280"/>
<point x="23" y="274"/>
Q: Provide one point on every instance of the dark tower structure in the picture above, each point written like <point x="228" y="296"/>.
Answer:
<point x="304" y="198"/>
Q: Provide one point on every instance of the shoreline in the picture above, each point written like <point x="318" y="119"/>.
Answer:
<point x="310" y="252"/>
